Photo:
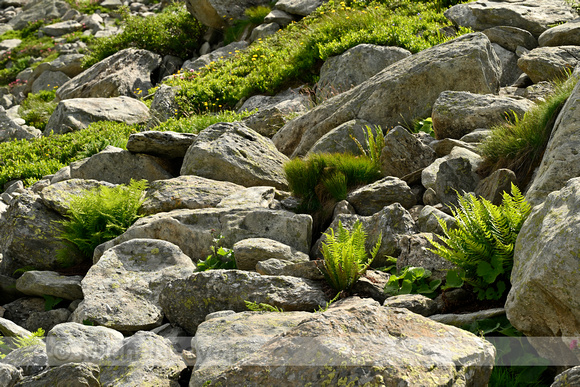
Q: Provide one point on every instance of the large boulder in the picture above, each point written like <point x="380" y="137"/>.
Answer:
<point x="549" y="63"/>
<point x="249" y="252"/>
<point x="567" y="34"/>
<point x="220" y="13"/>
<point x="233" y="152"/>
<point x="371" y="198"/>
<point x="39" y="10"/>
<point x="560" y="161"/>
<point x="404" y="153"/>
<point x="126" y="73"/>
<point x="57" y="196"/>
<point x="9" y="375"/>
<point x="31" y="359"/>
<point x="341" y="138"/>
<point x="71" y="374"/>
<point x="299" y="7"/>
<point x="359" y="342"/>
<point x="511" y="38"/>
<point x="170" y="145"/>
<point x="535" y="16"/>
<point x="186" y="302"/>
<point x="122" y="289"/>
<point x="545" y="296"/>
<point x="191" y="230"/>
<point x="40" y="283"/>
<point x="398" y="93"/>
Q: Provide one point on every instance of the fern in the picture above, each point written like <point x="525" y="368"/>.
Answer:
<point x="482" y="245"/>
<point x="20" y="342"/>
<point x="376" y="144"/>
<point x="345" y="256"/>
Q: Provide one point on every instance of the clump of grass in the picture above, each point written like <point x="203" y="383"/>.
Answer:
<point x="37" y="108"/>
<point x="520" y="144"/>
<point x="254" y="17"/>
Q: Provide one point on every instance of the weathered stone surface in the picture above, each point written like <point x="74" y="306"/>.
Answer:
<point x="221" y="53"/>
<point x="404" y="153"/>
<point x="493" y="186"/>
<point x="445" y="146"/>
<point x="560" y="161"/>
<point x="415" y="252"/>
<point x="371" y="198"/>
<point x="280" y="17"/>
<point x="545" y="296"/>
<point x="549" y="63"/>
<point x="126" y="73"/>
<point x="118" y="166"/>
<point x="11" y="130"/>
<point x="338" y="140"/>
<point x="31" y="359"/>
<point x="511" y="38"/>
<point x="371" y="285"/>
<point x="122" y="289"/>
<point x="145" y="359"/>
<point x="77" y="113"/>
<point x="221" y="342"/>
<point x="39" y="283"/>
<point x="427" y="220"/>
<point x="354" y="66"/>
<point x="249" y="252"/>
<point x="11" y="329"/>
<point x="467" y="63"/>
<point x="307" y="269"/>
<point x="532" y="15"/>
<point x="21" y="309"/>
<point x="9" y="375"/>
<point x="263" y="30"/>
<point x="415" y="303"/>
<point x="39" y="10"/>
<point x="357" y="341"/>
<point x="269" y="120"/>
<point x="299" y="7"/>
<point x="249" y="198"/>
<point x="567" y="34"/>
<point x="191" y="229"/>
<point x="72" y="374"/>
<point x="191" y="192"/>
<point x="186" y="302"/>
<point x="233" y="152"/>
<point x="47" y="319"/>
<point x="9" y="44"/>
<point x="163" y="144"/>
<point x="76" y="343"/>
<point x="218" y="13"/>
<point x="570" y="377"/>
<point x="61" y="28"/>
<point x="459" y="320"/>
<point x="68" y="64"/>
<point x="49" y="80"/>
<point x="164" y="105"/>
<point x="509" y="64"/>
<point x="457" y="113"/>
<point x="57" y="196"/>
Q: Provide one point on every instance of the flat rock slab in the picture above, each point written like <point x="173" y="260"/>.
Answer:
<point x="163" y="144"/>
<point x="249" y="252"/>
<point x="371" y="198"/>
<point x="40" y="283"/>
<point x="567" y="34"/>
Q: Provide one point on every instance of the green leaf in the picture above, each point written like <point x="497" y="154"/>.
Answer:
<point x="406" y="287"/>
<point x="453" y="280"/>
<point x="50" y="302"/>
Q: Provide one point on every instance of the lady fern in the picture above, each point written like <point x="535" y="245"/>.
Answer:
<point x="482" y="245"/>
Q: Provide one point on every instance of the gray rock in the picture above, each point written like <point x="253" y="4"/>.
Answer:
<point x="280" y="17"/>
<point x="354" y="66"/>
<point x="11" y="130"/>
<point x="404" y="153"/>
<point x="249" y="198"/>
<point x="215" y="290"/>
<point x="117" y="166"/>
<point x="478" y="135"/>
<point x="39" y="283"/>
<point x="270" y="119"/>
<point x="39" y="10"/>
<point x="249" y="252"/>
<point x="169" y="65"/>
<point x="61" y="28"/>
<point x="264" y="30"/>
<point x="9" y="375"/>
<point x="145" y="359"/>
<point x="47" y="319"/>
<point x="534" y="16"/>
<point x="31" y="359"/>
<point x="49" y="80"/>
<point x="371" y="198"/>
<point x="21" y="309"/>
<point x="561" y="155"/>
<point x="298" y="7"/>
<point x="459" y="320"/>
<point x="427" y="220"/>
<point x="445" y="146"/>
<point x="493" y="186"/>
<point x="415" y="252"/>
<point x="371" y="285"/>
<point x="167" y="144"/>
<point x="70" y="65"/>
<point x="339" y="140"/>
<point x="343" y="207"/>
<point x="391" y="96"/>
<point x="221" y="342"/>
<point x="164" y="105"/>
<point x="111" y="4"/>
<point x="545" y="297"/>
<point x="549" y="63"/>
<point x="567" y="34"/>
<point x="511" y="37"/>
<point x="233" y="152"/>
<point x="57" y="196"/>
<point x="191" y="229"/>
<point x="216" y="55"/>
<point x="415" y="303"/>
<point x="122" y="289"/>
<point x="570" y="377"/>
<point x="9" y="44"/>
<point x="72" y="374"/>
<point x="126" y="73"/>
<point x="273" y="266"/>
<point x="11" y="329"/>
<point x="78" y="113"/>
<point x="76" y="343"/>
<point x="219" y="13"/>
<point x="509" y="63"/>
<point x="265" y="102"/>
<point x="334" y="346"/>
<point x="457" y="113"/>
<point x="191" y="192"/>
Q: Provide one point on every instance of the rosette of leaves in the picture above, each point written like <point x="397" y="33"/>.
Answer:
<point x="220" y="257"/>
<point x="412" y="280"/>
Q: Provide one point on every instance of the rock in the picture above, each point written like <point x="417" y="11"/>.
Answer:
<point x="47" y="319"/>
<point x="535" y="16"/>
<point x="30" y="236"/>
<point x="444" y="146"/>
<point x="164" y="105"/>
<point x="415" y="303"/>
<point x="178" y="337"/>
<point x="509" y="64"/>
<point x="216" y="55"/>
<point x="219" y="13"/>
<point x="78" y="113"/>
<point x="250" y="198"/>
<point x="11" y="329"/>
<point x="339" y="139"/>
<point x="57" y="196"/>
<point x="9" y="375"/>
<point x="415" y="252"/>
<point x="354" y="66"/>
<point x="122" y="289"/>
<point x="145" y="359"/>
<point x="457" y="113"/>
<point x="77" y="343"/>
<point x="264" y="30"/>
<point x="371" y="285"/>
<point x="8" y="291"/>
<point x="233" y="152"/>
<point x="391" y="96"/>
<point x="21" y="309"/>
<point x="191" y="229"/>
<point x="333" y="346"/>
<point x="49" y="80"/>
<point x="125" y="73"/>
<point x="11" y="130"/>
<point x="307" y="269"/>
<point x="40" y="283"/>
<point x="293" y="97"/>
<point x="111" y="4"/>
<point x="221" y="342"/>
<point x="511" y="38"/>
<point x="39" y="10"/>
<point x="493" y="186"/>
<point x="298" y="7"/>
<point x="268" y="120"/>
<point x="460" y="320"/>
<point x="427" y="220"/>
<point x="31" y="359"/>
<point x="169" y="65"/>
<point x="168" y="144"/>
<point x="249" y="252"/>
<point x="478" y="135"/>
<point x="9" y="44"/>
<point x="118" y="166"/>
<point x="191" y="192"/>
<point x="343" y="207"/>
<point x="72" y="374"/>
<point x="371" y="198"/>
<point x="404" y="153"/>
<point x="280" y="17"/>
<point x="544" y="298"/>
<point x="566" y="34"/>
<point x="570" y="377"/>
<point x="61" y="28"/>
<point x="70" y="65"/>
<point x="559" y="162"/>
<point x="186" y="302"/>
<point x="549" y="63"/>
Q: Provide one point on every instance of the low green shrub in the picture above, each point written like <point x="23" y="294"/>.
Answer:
<point x="36" y="109"/>
<point x="220" y="257"/>
<point x="254" y="17"/>
<point x="261" y="307"/>
<point x="482" y="245"/>
<point x="197" y="122"/>
<point x="99" y="215"/>
<point x="412" y="280"/>
<point x="345" y="256"/>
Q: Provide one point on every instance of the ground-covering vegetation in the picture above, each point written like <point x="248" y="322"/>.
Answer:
<point x="254" y="17"/>
<point x="37" y="108"/>
<point x="220" y="258"/>
<point x="8" y="344"/>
